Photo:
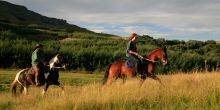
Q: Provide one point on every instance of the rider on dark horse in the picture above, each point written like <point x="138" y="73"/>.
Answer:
<point x="133" y="54"/>
<point x="38" y="64"/>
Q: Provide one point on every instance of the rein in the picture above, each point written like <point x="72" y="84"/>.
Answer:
<point x="153" y="61"/>
<point x="57" y="67"/>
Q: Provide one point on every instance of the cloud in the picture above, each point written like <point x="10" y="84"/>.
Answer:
<point x="160" y="18"/>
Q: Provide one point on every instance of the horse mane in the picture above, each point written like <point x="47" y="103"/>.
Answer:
<point x="51" y="62"/>
<point x="155" y="50"/>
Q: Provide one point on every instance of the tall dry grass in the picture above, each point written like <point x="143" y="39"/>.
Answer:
<point x="198" y="91"/>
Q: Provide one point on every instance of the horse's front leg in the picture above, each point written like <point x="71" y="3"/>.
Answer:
<point x="155" y="78"/>
<point x="57" y="83"/>
<point x="62" y="88"/>
<point x="158" y="79"/>
<point x="45" y="88"/>
<point x="143" y="78"/>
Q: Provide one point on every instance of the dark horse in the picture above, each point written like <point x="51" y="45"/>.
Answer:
<point x="118" y="69"/>
<point x="26" y="76"/>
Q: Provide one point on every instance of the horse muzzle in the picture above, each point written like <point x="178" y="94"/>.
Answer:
<point x="65" y="66"/>
<point x="165" y="62"/>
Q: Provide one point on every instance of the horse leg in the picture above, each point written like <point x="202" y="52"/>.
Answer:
<point x="25" y="86"/>
<point x="156" y="78"/>
<point x="30" y="80"/>
<point x="151" y="75"/>
<point x="25" y="90"/>
<point x="143" y="78"/>
<point x="21" y="89"/>
<point x="109" y="81"/>
<point x="62" y="88"/>
<point x="13" y="88"/>
<point x="45" y="89"/>
<point x="123" y="77"/>
<point x="60" y="85"/>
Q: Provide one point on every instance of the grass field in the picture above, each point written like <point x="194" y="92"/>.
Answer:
<point x="197" y="91"/>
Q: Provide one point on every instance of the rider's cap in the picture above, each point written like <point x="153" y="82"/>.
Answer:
<point x="38" y="46"/>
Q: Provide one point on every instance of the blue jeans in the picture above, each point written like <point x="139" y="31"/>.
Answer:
<point x="140" y="63"/>
<point x="133" y="59"/>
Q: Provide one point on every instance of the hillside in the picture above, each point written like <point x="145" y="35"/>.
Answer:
<point x="20" y="15"/>
<point x="20" y="22"/>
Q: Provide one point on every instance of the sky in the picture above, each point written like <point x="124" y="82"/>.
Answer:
<point x="169" y="19"/>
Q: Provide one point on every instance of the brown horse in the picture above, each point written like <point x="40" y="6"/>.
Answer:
<point x="118" y="69"/>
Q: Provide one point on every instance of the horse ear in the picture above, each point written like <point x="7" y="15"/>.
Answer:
<point x="58" y="49"/>
<point x="60" y="54"/>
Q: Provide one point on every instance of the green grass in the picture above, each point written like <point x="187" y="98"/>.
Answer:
<point x="198" y="91"/>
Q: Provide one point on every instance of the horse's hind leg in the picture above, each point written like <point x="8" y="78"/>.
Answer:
<point x="109" y="81"/>
<point x="21" y="89"/>
<point x="25" y="90"/>
<point x="123" y="77"/>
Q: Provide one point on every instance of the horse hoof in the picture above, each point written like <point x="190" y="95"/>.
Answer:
<point x="43" y="93"/>
<point x="63" y="93"/>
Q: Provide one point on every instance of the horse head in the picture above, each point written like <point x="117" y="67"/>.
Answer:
<point x="58" y="62"/>
<point x="163" y="56"/>
<point x="159" y="54"/>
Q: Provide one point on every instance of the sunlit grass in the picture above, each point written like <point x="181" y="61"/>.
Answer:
<point x="180" y="91"/>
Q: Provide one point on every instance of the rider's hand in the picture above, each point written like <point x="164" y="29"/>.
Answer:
<point x="45" y="63"/>
<point x="141" y="57"/>
<point x="136" y="54"/>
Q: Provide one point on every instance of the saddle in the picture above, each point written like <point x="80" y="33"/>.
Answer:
<point x="139" y="66"/>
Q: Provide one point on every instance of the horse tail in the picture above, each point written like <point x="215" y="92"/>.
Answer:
<point x="14" y="83"/>
<point x="106" y="74"/>
<point x="13" y="88"/>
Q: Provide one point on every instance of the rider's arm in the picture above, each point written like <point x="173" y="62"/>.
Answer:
<point x="132" y="52"/>
<point x="135" y="53"/>
<point x="40" y="57"/>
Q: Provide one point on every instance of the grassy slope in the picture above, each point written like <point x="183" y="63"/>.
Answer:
<point x="16" y="14"/>
<point x="180" y="91"/>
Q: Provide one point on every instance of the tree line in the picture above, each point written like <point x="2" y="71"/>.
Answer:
<point x="94" y="52"/>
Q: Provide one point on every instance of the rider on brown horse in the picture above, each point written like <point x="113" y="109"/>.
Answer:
<point x="38" y="62"/>
<point x="133" y="55"/>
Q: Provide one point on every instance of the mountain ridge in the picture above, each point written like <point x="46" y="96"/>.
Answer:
<point x="17" y="14"/>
